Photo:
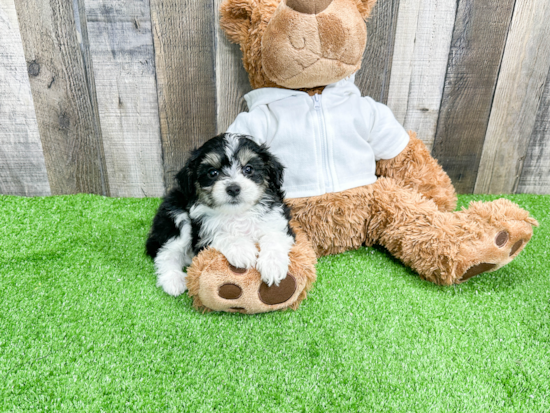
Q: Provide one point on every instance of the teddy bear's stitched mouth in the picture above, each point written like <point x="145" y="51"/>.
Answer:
<point x="319" y="57"/>
<point x="319" y="60"/>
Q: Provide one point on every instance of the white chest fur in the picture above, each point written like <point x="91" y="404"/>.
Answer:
<point x="252" y="224"/>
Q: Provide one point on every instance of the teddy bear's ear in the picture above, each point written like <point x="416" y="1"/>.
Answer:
<point x="236" y="18"/>
<point x="365" y="7"/>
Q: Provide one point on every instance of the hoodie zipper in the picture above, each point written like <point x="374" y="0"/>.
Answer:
<point x="327" y="175"/>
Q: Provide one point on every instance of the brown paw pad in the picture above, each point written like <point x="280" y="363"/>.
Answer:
<point x="476" y="270"/>
<point x="278" y="294"/>
<point x="230" y="291"/>
<point x="237" y="270"/>
<point x="516" y="247"/>
<point x="502" y="239"/>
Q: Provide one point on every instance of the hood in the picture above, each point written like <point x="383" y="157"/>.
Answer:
<point x="267" y="95"/>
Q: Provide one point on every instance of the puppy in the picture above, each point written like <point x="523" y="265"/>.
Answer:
<point x="228" y="196"/>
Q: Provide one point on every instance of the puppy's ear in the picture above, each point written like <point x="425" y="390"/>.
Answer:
<point x="365" y="7"/>
<point x="275" y="173"/>
<point x="236" y="18"/>
<point x="185" y="178"/>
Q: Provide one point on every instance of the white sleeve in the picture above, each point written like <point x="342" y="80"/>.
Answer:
<point x="254" y="124"/>
<point x="387" y="137"/>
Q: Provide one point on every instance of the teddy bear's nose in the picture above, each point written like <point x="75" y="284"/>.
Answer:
<point x="308" y="6"/>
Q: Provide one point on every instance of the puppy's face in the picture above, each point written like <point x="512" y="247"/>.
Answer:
<point x="232" y="173"/>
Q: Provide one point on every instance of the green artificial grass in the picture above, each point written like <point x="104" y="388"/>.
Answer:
<point x="84" y="328"/>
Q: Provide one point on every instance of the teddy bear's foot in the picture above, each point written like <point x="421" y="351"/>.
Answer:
<point x="497" y="253"/>
<point x="503" y="231"/>
<point x="216" y="285"/>
<point x="223" y="287"/>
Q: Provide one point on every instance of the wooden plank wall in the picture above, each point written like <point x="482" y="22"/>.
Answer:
<point x="535" y="177"/>
<point x="22" y="165"/>
<point x="518" y="95"/>
<point x="185" y="63"/>
<point x="477" y="46"/>
<point x="231" y="78"/>
<point x="69" y="126"/>
<point x="108" y="96"/>
<point x="121" y="47"/>
<point x="374" y="76"/>
<point x="424" y="31"/>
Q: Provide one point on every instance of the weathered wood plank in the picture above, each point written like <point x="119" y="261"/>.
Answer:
<point x="535" y="177"/>
<point x="22" y="165"/>
<point x="518" y="94"/>
<point x="476" y="53"/>
<point x="183" y="33"/>
<point x="421" y="51"/>
<point x="373" y="79"/>
<point x="68" y="125"/>
<point x="79" y="9"/>
<point x="121" y="47"/>
<point x="231" y="78"/>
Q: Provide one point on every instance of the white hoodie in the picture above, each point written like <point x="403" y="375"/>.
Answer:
<point x="328" y="142"/>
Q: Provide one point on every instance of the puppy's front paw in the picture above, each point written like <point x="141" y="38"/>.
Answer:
<point x="241" y="254"/>
<point x="172" y="282"/>
<point x="273" y="267"/>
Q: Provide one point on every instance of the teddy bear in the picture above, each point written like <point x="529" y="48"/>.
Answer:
<point x="354" y="177"/>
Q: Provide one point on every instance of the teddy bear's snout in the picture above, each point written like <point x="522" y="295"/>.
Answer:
<point x="312" y="43"/>
<point x="308" y="6"/>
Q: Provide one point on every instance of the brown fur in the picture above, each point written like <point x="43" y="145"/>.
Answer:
<point x="245" y="22"/>
<point x="308" y="50"/>
<point x="415" y="168"/>
<point x="295" y="41"/>
<point x="210" y="270"/>
<point x="440" y="246"/>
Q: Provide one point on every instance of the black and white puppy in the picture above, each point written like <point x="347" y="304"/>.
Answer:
<point x="228" y="196"/>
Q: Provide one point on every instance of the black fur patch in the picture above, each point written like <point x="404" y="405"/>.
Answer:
<point x="195" y="176"/>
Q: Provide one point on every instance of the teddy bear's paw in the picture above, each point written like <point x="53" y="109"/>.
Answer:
<point x="217" y="285"/>
<point x="239" y="295"/>
<point x="241" y="254"/>
<point x="280" y="293"/>
<point x="172" y="282"/>
<point x="273" y="267"/>
<point x="501" y="244"/>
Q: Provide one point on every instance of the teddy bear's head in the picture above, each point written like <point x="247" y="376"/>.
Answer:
<point x="297" y="44"/>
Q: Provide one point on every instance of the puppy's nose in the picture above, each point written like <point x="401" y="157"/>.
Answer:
<point x="233" y="190"/>
<point x="308" y="6"/>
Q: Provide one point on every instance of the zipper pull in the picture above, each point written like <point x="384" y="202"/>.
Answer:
<point x="316" y="101"/>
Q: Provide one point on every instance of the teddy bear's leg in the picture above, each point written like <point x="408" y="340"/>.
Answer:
<point x="335" y="222"/>
<point x="444" y="247"/>
<point x="216" y="285"/>
<point x="416" y="168"/>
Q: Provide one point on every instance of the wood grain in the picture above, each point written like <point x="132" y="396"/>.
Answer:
<point x="121" y="47"/>
<point x="476" y="53"/>
<point x="183" y="33"/>
<point x="231" y="78"/>
<point x="535" y="177"/>
<point x="79" y="9"/>
<point x="22" y="164"/>
<point x="373" y="79"/>
<point x="67" y="122"/>
<point x="421" y="51"/>
<point x="518" y="94"/>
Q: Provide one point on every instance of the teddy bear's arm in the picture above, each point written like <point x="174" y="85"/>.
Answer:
<point x="416" y="168"/>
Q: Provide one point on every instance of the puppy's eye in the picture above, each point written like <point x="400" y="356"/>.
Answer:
<point x="247" y="170"/>
<point x="212" y="173"/>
